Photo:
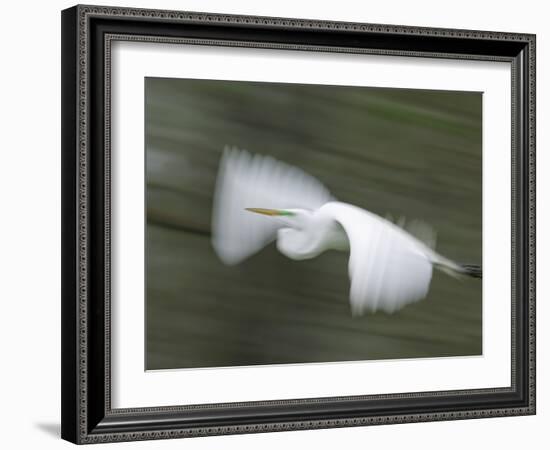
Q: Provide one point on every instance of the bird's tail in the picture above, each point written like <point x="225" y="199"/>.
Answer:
<point x="427" y="236"/>
<point x="457" y="270"/>
<point x="472" y="270"/>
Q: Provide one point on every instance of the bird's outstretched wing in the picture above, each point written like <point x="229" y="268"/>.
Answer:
<point x="252" y="181"/>
<point x="388" y="267"/>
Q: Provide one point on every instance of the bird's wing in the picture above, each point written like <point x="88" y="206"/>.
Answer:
<point x="256" y="181"/>
<point x="388" y="267"/>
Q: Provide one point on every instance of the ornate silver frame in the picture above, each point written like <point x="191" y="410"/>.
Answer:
<point x="88" y="32"/>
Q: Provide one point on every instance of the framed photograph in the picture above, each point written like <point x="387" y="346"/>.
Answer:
<point x="277" y="224"/>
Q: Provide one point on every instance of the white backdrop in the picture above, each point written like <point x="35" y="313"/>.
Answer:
<point x="30" y="231"/>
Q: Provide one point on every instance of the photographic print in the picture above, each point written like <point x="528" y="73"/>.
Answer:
<point x="274" y="224"/>
<point x="294" y="223"/>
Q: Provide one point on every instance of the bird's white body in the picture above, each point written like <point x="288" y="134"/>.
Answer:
<point x="317" y="234"/>
<point x="389" y="265"/>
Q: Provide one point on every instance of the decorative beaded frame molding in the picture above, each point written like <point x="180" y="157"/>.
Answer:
<point x="87" y="35"/>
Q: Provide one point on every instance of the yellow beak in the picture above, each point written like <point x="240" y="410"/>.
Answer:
<point x="266" y="212"/>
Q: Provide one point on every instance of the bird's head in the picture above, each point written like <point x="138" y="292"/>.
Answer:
<point x="291" y="218"/>
<point x="298" y="236"/>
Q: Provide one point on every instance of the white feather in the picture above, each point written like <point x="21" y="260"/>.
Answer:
<point x="246" y="181"/>
<point x="388" y="267"/>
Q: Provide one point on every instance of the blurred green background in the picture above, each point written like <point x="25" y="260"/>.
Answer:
<point x="412" y="153"/>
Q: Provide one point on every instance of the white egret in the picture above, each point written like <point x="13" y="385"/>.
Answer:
<point x="390" y="265"/>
